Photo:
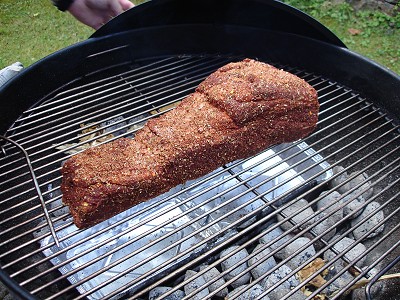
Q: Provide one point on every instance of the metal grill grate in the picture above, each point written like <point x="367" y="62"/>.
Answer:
<point x="156" y="243"/>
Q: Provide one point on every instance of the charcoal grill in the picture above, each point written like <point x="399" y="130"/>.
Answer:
<point x="137" y="67"/>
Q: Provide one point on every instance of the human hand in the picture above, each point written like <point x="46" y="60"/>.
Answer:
<point x="96" y="13"/>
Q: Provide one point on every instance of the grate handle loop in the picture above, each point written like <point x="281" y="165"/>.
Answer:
<point x="36" y="184"/>
<point x="378" y="276"/>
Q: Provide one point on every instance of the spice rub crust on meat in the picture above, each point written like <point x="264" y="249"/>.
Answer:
<point x="238" y="111"/>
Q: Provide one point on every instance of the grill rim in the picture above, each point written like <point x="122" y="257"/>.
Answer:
<point x="15" y="288"/>
<point x="277" y="16"/>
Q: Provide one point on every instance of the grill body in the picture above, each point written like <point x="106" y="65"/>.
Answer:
<point x="131" y="71"/>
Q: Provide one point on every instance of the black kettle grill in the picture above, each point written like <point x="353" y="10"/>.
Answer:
<point x="137" y="67"/>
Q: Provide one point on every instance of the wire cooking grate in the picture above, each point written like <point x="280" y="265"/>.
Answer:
<point x="156" y="243"/>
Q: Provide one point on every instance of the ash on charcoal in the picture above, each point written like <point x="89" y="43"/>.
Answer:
<point x="300" y="258"/>
<point x="280" y="290"/>
<point x="355" y="250"/>
<point x="338" y="283"/>
<point x="330" y="202"/>
<point x="376" y="288"/>
<point x="161" y="290"/>
<point x="326" y="226"/>
<point x="271" y="235"/>
<point x="368" y="221"/>
<point x="211" y="274"/>
<point x="194" y="285"/>
<point x="295" y="215"/>
<point x="365" y="187"/>
<point x="339" y="183"/>
<point x="260" y="269"/>
<point x="336" y="182"/>
<point x="354" y="205"/>
<point x="232" y="261"/>
<point x="248" y="293"/>
<point x="278" y="275"/>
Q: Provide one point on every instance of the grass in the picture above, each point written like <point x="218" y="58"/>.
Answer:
<point x="371" y="33"/>
<point x="32" y="29"/>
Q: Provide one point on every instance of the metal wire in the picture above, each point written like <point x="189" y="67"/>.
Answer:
<point x="37" y="188"/>
<point x="378" y="276"/>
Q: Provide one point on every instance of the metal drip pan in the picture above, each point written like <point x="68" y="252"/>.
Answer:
<point x="176" y="225"/>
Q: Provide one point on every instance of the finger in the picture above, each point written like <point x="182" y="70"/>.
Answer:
<point x="98" y="22"/>
<point x="115" y="8"/>
<point x="126" y="4"/>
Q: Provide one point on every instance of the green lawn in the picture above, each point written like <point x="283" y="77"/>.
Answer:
<point x="371" y="33"/>
<point x="32" y="29"/>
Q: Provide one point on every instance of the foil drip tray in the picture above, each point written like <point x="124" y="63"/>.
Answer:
<point x="158" y="235"/>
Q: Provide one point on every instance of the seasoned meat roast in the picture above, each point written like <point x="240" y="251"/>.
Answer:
<point x="236" y="112"/>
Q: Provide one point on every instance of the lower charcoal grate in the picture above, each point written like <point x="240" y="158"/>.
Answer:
<point x="314" y="219"/>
